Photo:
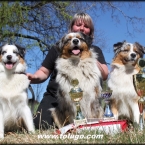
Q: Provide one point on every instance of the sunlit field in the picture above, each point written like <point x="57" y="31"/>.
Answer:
<point x="132" y="136"/>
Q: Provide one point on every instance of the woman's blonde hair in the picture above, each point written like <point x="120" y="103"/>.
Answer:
<point x="86" y="19"/>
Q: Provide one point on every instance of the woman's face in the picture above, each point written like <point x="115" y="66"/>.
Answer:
<point x="80" y="26"/>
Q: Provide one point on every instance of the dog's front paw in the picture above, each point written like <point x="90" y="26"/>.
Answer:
<point x="31" y="132"/>
<point x="116" y="116"/>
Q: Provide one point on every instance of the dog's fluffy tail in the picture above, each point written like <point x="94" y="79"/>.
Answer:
<point x="32" y="100"/>
<point x="96" y="109"/>
<point x="59" y="118"/>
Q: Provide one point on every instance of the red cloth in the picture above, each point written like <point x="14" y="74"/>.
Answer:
<point x="123" y="124"/>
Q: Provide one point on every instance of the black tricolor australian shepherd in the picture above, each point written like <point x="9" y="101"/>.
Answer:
<point x="14" y="110"/>
<point x="77" y="61"/>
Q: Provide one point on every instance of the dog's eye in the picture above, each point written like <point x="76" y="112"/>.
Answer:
<point x="3" y="52"/>
<point x="82" y="39"/>
<point x="137" y="52"/>
<point x="125" y="50"/>
<point x="15" y="52"/>
<point x="67" y="41"/>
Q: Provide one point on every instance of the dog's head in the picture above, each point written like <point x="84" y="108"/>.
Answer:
<point x="75" y="45"/>
<point x="11" y="55"/>
<point x="128" y="53"/>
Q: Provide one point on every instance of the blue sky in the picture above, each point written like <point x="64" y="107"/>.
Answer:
<point x="114" y="32"/>
<point x="117" y="32"/>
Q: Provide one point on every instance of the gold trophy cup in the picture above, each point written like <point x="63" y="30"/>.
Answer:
<point x="139" y="84"/>
<point x="76" y="95"/>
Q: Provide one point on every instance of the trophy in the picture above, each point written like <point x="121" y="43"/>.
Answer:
<point x="139" y="84"/>
<point x="76" y="95"/>
<point x="106" y="96"/>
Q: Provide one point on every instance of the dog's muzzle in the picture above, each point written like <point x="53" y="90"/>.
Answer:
<point x="75" y="41"/>
<point x="133" y="55"/>
<point x="9" y="57"/>
<point x="76" y="50"/>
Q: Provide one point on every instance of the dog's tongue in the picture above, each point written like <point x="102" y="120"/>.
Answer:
<point x="9" y="66"/>
<point x="76" y="51"/>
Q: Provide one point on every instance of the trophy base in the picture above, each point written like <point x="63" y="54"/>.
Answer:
<point x="141" y="122"/>
<point x="108" y="115"/>
<point x="109" y="118"/>
<point x="80" y="122"/>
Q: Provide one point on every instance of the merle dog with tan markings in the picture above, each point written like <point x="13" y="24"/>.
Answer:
<point x="124" y="99"/>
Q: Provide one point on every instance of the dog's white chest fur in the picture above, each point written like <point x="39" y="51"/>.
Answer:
<point x="88" y="75"/>
<point x="14" y="103"/>
<point x="86" y="71"/>
<point x="121" y="82"/>
<point x="13" y="97"/>
<point x="13" y="85"/>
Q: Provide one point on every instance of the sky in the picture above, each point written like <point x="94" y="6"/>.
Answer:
<point x="113" y="32"/>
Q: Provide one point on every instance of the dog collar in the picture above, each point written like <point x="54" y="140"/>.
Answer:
<point x="19" y="73"/>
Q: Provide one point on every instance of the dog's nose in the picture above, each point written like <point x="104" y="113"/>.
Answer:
<point x="9" y="57"/>
<point x="75" y="41"/>
<point x="133" y="55"/>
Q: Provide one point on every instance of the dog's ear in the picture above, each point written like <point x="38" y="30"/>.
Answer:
<point x="118" y="46"/>
<point x="21" y="50"/>
<point x="88" y="39"/>
<point x="2" y="47"/>
<point x="61" y="42"/>
<point x="141" y="48"/>
<point x="58" y="46"/>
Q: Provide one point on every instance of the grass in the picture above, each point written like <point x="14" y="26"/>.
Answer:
<point x="132" y="136"/>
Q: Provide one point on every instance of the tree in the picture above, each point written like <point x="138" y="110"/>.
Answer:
<point x="35" y="23"/>
<point x="42" y="23"/>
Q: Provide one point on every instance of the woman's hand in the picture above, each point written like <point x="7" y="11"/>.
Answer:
<point x="40" y="75"/>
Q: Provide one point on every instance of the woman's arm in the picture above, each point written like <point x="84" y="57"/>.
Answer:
<point x="104" y="70"/>
<point x="39" y="76"/>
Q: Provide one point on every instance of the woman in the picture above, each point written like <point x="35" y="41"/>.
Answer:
<point x="81" y="22"/>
